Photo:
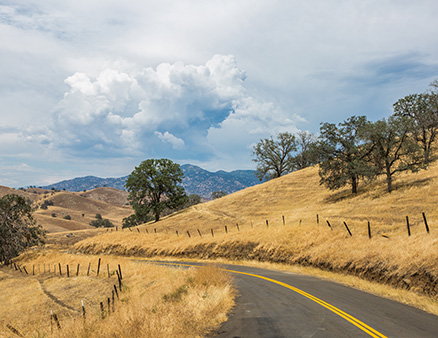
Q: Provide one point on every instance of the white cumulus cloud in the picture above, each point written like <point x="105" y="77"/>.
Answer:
<point x="175" y="110"/>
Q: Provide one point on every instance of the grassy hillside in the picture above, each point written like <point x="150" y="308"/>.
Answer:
<point x="190" y="302"/>
<point x="82" y="207"/>
<point x="389" y="257"/>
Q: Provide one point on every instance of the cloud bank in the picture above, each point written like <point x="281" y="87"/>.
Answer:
<point x="186" y="112"/>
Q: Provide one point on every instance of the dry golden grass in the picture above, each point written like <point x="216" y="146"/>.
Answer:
<point x="157" y="301"/>
<point x="390" y="257"/>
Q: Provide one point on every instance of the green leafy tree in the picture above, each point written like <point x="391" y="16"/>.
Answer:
<point x="422" y="109"/>
<point x="218" y="194"/>
<point x="192" y="199"/>
<point x="273" y="156"/>
<point x="344" y="154"/>
<point x="393" y="149"/>
<point x="307" y="151"/>
<point x="154" y="186"/>
<point x="98" y="223"/>
<point x="17" y="227"/>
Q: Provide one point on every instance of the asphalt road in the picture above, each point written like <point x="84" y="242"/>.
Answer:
<point x="281" y="304"/>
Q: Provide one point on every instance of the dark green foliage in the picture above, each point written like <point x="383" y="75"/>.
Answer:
<point x="306" y="154"/>
<point x="98" y="216"/>
<point x="344" y="154"/>
<point x="393" y="148"/>
<point x="218" y="194"/>
<point x="99" y="223"/>
<point x="192" y="199"/>
<point x="153" y="186"/>
<point x="273" y="157"/>
<point x="45" y="204"/>
<point x="422" y="110"/>
<point x="53" y="214"/>
<point x="17" y="227"/>
<point x="68" y="217"/>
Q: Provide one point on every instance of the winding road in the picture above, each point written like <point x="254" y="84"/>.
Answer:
<point x="283" y="304"/>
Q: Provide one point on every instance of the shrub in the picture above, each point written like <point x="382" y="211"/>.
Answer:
<point x="98" y="216"/>
<point x="106" y="223"/>
<point x="67" y="217"/>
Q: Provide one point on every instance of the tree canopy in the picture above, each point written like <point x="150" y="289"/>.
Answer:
<point x="343" y="154"/>
<point x="154" y="186"/>
<point x="17" y="227"/>
<point x="393" y="148"/>
<point x="273" y="156"/>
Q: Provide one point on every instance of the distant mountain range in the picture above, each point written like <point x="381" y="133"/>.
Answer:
<point x="196" y="181"/>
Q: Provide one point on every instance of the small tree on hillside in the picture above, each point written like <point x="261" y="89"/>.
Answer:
<point x="393" y="148"/>
<point x="344" y="154"/>
<point x="306" y="152"/>
<point x="218" y="194"/>
<point x="273" y="157"/>
<point x="154" y="186"/>
<point x="17" y="227"/>
<point x="422" y="109"/>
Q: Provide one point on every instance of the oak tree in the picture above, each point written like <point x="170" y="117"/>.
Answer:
<point x="154" y="186"/>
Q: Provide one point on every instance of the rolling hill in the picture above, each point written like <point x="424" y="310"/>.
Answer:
<point x="294" y="220"/>
<point x="80" y="207"/>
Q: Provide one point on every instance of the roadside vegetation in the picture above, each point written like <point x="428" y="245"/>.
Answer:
<point x="155" y="301"/>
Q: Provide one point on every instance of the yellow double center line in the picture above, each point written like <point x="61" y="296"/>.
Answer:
<point x="356" y="322"/>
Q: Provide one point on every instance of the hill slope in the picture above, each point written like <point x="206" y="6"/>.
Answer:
<point x="255" y="229"/>
<point x="81" y="207"/>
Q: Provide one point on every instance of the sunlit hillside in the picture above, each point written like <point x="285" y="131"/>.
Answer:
<point x="254" y="223"/>
<point x="68" y="211"/>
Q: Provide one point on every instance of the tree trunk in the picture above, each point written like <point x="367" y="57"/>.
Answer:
<point x="389" y="181"/>
<point x="157" y="216"/>
<point x="354" y="184"/>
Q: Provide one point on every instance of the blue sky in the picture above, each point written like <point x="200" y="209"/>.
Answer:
<point x="96" y="87"/>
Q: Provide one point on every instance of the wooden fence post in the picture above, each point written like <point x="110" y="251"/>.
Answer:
<point x="267" y="223"/>
<point x="77" y="271"/>
<point x="88" y="271"/>
<point x="199" y="232"/>
<point x="349" y="232"/>
<point x="115" y="289"/>
<point x="68" y="271"/>
<point x="328" y="223"/>
<point x="284" y="223"/>
<point x="177" y="233"/>
<point x="212" y="233"/>
<point x="369" y="230"/>
<point x="226" y="229"/>
<point x="98" y="267"/>
<point x="408" y="226"/>
<point x="425" y="222"/>
<point x="112" y="298"/>
<point x="83" y="308"/>
<point x="317" y="219"/>
<point x="120" y="271"/>
<point x="138" y="230"/>
<point x="188" y="233"/>
<point x="237" y="225"/>
<point x="60" y="272"/>
<point x="107" y="268"/>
